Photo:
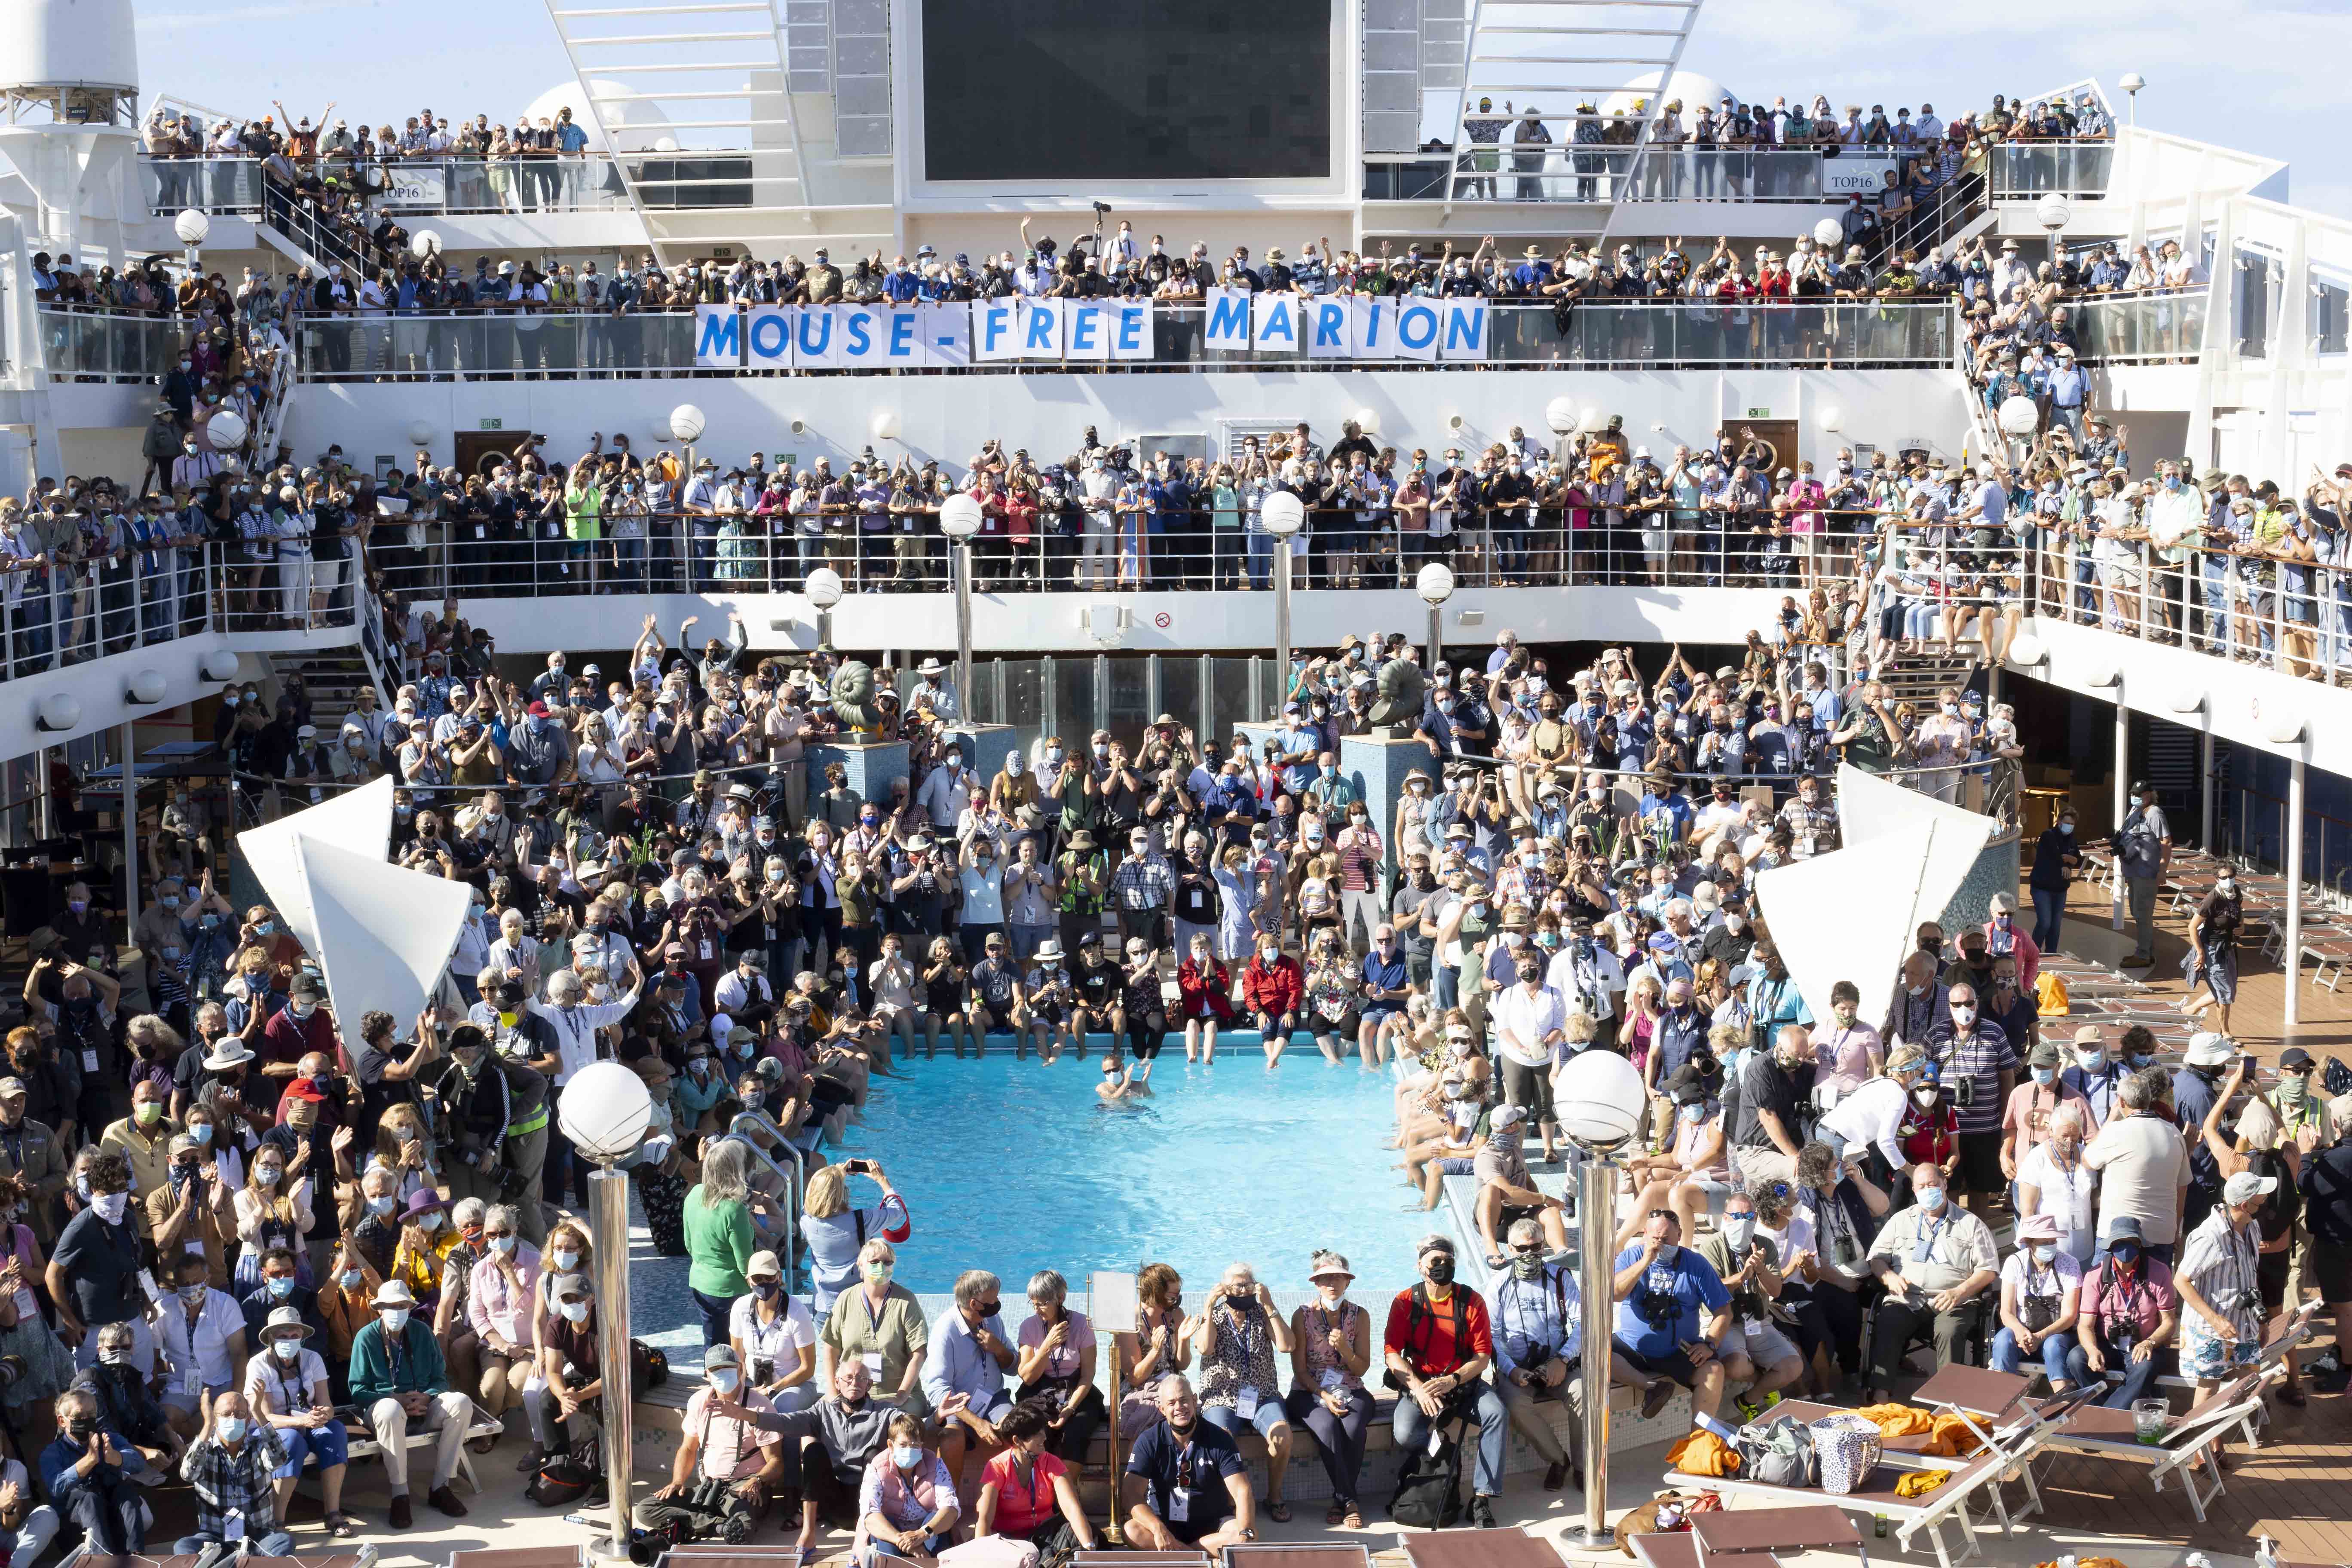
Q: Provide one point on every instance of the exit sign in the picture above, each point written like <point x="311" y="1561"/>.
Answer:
<point x="1760" y="413"/>
<point x="494" y="425"/>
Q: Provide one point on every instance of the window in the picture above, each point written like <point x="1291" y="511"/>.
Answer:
<point x="2256" y="279"/>
<point x="2331" y="301"/>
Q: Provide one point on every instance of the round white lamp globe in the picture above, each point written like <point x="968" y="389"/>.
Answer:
<point x="686" y="423"/>
<point x="825" y="587"/>
<point x="2132" y="81"/>
<point x="218" y="666"/>
<point x="1560" y="414"/>
<point x="2026" y="651"/>
<point x="1367" y="420"/>
<point x="2019" y="416"/>
<point x="419" y="432"/>
<point x="1435" y="583"/>
<point x="59" y="711"/>
<point x="1832" y="420"/>
<point x="147" y="687"/>
<point x="960" y="516"/>
<point x="1598" y="1096"/>
<point x="1829" y="234"/>
<point x="606" y="1111"/>
<point x="225" y="431"/>
<point x="2285" y="732"/>
<point x="1590" y="420"/>
<point x="2052" y="212"/>
<point x="191" y="227"/>
<point x="1283" y="513"/>
<point x="884" y="425"/>
<point x="424" y="244"/>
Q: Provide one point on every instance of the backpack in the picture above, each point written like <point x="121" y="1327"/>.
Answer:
<point x="1429" y="1485"/>
<point x="648" y="1368"/>
<point x="2049" y="994"/>
<point x="1778" y="1453"/>
<point x="566" y="1480"/>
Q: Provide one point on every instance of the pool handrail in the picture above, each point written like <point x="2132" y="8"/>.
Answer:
<point x="788" y="1174"/>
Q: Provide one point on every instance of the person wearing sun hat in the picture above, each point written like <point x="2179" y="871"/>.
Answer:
<point x="1328" y="1399"/>
<point x="2041" y="1293"/>
<point x="286" y="1382"/>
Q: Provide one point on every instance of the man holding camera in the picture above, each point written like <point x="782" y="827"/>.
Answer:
<point x="1936" y="1261"/>
<point x="1672" y="1307"/>
<point x="726" y="1465"/>
<point x="88" y="1481"/>
<point x="1538" y="1346"/>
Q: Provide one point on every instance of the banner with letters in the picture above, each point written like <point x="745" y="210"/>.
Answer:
<point x="960" y="334"/>
<point x="1850" y="176"/>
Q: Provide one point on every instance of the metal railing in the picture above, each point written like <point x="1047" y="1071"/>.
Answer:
<point x="2022" y="171"/>
<point x="2155" y="327"/>
<point x="586" y="181"/>
<point x="1205" y="550"/>
<point x="1655" y="335"/>
<point x="748" y="1129"/>
<point x="1621" y="174"/>
<point x="109" y="345"/>
<point x="70" y="612"/>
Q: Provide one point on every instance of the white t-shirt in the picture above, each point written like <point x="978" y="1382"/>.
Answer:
<point x="292" y="1386"/>
<point x="2064" y="1196"/>
<point x="778" y="1339"/>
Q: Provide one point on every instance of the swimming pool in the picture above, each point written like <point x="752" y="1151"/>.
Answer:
<point x="1013" y="1166"/>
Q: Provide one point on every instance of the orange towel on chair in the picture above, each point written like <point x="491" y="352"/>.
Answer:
<point x="1898" y="1420"/>
<point x="1703" y="1454"/>
<point x="1952" y="1439"/>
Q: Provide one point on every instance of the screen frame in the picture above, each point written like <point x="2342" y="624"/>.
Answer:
<point x="916" y="188"/>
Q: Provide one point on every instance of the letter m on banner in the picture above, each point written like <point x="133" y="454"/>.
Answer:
<point x="717" y="336"/>
<point x="1228" y="319"/>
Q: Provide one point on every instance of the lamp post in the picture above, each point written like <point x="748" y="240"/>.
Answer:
<point x="605" y="1112"/>
<point x="960" y="520"/>
<point x="2019" y="419"/>
<point x="1283" y="515"/>
<point x="685" y="426"/>
<point x="823" y="589"/>
<point x="2131" y="83"/>
<point x="1599" y="1100"/>
<point x="1435" y="585"/>
<point x="192" y="226"/>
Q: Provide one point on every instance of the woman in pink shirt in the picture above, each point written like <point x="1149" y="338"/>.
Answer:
<point x="2025" y="1120"/>
<point x="1847" y="1050"/>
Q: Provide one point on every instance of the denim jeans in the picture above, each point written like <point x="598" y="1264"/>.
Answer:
<point x="2139" y="1376"/>
<point x="2010" y="1357"/>
<point x="2049" y="916"/>
<point x="1410" y="1429"/>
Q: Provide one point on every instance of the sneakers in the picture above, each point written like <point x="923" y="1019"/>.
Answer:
<point x="1482" y="1513"/>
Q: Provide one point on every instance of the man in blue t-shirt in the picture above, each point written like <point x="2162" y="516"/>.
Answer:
<point x="1187" y="1485"/>
<point x="1671" y="1309"/>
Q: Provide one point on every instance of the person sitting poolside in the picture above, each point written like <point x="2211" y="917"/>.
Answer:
<point x="1538" y="1349"/>
<point x="963" y="1375"/>
<point x="1186" y="1484"/>
<point x="1048" y="1003"/>
<point x="1935" y="1260"/>
<point x="1027" y="1493"/>
<point x="1274" y="993"/>
<point x="1506" y="1188"/>
<point x="1452" y="1152"/>
<point x="1204" y="996"/>
<point x="908" y="1505"/>
<point x="1672" y="1309"/>
<point x="1236" y="1337"/>
<point x="1690" y="1176"/>
<point x="287" y="1386"/>
<point x="1756" y="1352"/>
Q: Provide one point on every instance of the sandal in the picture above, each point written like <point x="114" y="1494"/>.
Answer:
<point x="1354" y="1520"/>
<point x="341" y="1526"/>
<point x="1279" y="1511"/>
<point x="1335" y="1513"/>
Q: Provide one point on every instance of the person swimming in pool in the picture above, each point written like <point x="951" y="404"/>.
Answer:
<point x="1123" y="1081"/>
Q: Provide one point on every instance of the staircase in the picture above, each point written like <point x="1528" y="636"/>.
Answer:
<point x="1921" y="679"/>
<point x="334" y="677"/>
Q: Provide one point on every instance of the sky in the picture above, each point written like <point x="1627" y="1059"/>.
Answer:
<point x="2264" y="77"/>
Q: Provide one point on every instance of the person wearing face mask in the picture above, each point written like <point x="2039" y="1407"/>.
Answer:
<point x="143" y="1139"/>
<point x="200" y="1333"/>
<point x="2210" y="965"/>
<point x="2041" y="1294"/>
<point x="31" y="1153"/>
<point x="89" y="1474"/>
<point x="1935" y="1260"/>
<point x="2129" y="1320"/>
<point x="1538" y="1347"/>
<point x="93" y="1273"/>
<point x="2143" y="847"/>
<point x="1273" y="992"/>
<point x="774" y="1336"/>
<point x="881" y="1324"/>
<point x="194" y="1211"/>
<point x="397" y="1375"/>
<point x="2056" y="859"/>
<point x="1437" y="1345"/>
<point x="232" y="1465"/>
<point x="569" y="1389"/>
<point x="1979" y="1069"/>
<point x="1671" y="1309"/>
<point x="291" y="1396"/>
<point x="720" y="1439"/>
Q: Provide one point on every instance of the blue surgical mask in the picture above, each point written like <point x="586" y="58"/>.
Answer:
<point x="231" y="1428"/>
<point x="2045" y="1253"/>
<point x="2045" y="1076"/>
<point x="280" y="1286"/>
<point x="1931" y="1199"/>
<point x="505" y="1243"/>
<point x="351" y="1279"/>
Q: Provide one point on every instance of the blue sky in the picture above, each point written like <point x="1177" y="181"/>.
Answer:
<point x="2260" y="77"/>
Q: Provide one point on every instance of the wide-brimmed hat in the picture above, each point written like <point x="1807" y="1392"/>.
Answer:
<point x="1049" y="951"/>
<point x="394" y="1293"/>
<point x="282" y="1318"/>
<point x="228" y="1052"/>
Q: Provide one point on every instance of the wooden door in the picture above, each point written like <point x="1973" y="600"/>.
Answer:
<point x="480" y="451"/>
<point x="1778" y="437"/>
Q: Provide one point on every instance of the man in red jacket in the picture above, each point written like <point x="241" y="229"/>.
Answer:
<point x="1273" y="990"/>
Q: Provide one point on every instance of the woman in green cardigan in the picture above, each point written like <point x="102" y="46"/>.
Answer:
<point x="719" y="1237"/>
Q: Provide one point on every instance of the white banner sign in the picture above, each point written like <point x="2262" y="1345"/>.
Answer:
<point x="1080" y="332"/>
<point x="420" y="185"/>
<point x="1846" y="176"/>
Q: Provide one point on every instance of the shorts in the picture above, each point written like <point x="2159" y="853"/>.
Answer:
<point x="994" y="1020"/>
<point x="1765" y="1345"/>
<point x="1345" y="1027"/>
<point x="1979" y="1167"/>
<point x="1380" y="1012"/>
<point x="1676" y="1367"/>
<point x="1227" y="1418"/>
<point x="1146" y="1035"/>
<point x="2329" y="1266"/>
<point x="1512" y="1213"/>
<point x="1458" y="1164"/>
<point x="1053" y="1015"/>
<point x="2206" y="1356"/>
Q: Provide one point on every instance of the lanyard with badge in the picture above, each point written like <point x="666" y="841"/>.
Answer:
<point x="1245" y="1399"/>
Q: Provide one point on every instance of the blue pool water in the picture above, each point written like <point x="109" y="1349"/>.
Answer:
<point x="1013" y="1166"/>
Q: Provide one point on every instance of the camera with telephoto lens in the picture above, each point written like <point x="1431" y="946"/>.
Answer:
<point x="11" y="1370"/>
<point x="1656" y="1308"/>
<point x="1964" y="1091"/>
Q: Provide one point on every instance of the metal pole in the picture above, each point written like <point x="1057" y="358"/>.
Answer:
<point x="962" y="560"/>
<point x="131" y="849"/>
<point x="42" y="813"/>
<point x="1596" y="1221"/>
<point x="2205" y="805"/>
<point x="608" y="1208"/>
<point x="2292" y="958"/>
<point x="1436" y="635"/>
<point x="1281" y="623"/>
<point x="2122" y="807"/>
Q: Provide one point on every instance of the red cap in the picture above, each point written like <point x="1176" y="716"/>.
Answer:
<point x="538" y="710"/>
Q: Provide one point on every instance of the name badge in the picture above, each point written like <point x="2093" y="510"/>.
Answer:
<point x="1331" y="1380"/>
<point x="233" y="1525"/>
<point x="1245" y="1403"/>
<point x="1749" y="1325"/>
<point x="873" y="1360"/>
<point x="90" y="1059"/>
<point x="1179" y="1505"/>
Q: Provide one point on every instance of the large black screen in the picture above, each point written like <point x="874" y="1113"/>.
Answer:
<point x="1127" y="90"/>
